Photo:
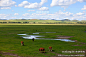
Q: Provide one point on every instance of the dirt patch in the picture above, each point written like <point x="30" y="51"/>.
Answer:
<point x="11" y="50"/>
<point x="64" y="37"/>
<point x="10" y="54"/>
<point x="82" y="43"/>
<point x="77" y="45"/>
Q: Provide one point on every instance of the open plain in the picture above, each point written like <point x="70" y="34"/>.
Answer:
<point x="10" y="42"/>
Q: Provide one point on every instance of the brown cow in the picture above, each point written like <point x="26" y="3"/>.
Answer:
<point x="22" y="43"/>
<point x="50" y="48"/>
<point x="42" y="50"/>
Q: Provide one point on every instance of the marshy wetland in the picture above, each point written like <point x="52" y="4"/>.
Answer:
<point x="61" y="38"/>
<point x="10" y="41"/>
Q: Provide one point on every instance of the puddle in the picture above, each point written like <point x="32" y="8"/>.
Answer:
<point x="32" y="36"/>
<point x="25" y="36"/>
<point x="50" y="32"/>
<point x="66" y="40"/>
<point x="21" y="34"/>
<point x="35" y="33"/>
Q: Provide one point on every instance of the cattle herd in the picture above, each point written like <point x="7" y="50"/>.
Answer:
<point x="40" y="49"/>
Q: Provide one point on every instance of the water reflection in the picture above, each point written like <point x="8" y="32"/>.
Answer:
<point x="21" y="34"/>
<point x="25" y="36"/>
<point x="32" y="36"/>
<point x="35" y="33"/>
<point x="50" y="32"/>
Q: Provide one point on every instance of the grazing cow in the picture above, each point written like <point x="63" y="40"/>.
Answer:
<point x="50" y="48"/>
<point x="22" y="43"/>
<point x="42" y="50"/>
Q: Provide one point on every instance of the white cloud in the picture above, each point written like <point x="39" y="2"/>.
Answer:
<point x="84" y="8"/>
<point x="15" y="5"/>
<point x="16" y="14"/>
<point x="35" y="5"/>
<point x="64" y="13"/>
<point x="57" y="15"/>
<point x="42" y="2"/>
<point x="64" y="3"/>
<point x="26" y="14"/>
<point x="31" y="10"/>
<point x="79" y="13"/>
<point x="5" y="16"/>
<point x="44" y="8"/>
<point x="61" y="15"/>
<point x="39" y="14"/>
<point x="6" y="4"/>
<point x="24" y="3"/>
<point x="5" y="8"/>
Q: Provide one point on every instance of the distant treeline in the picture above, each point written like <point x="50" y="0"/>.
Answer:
<point x="14" y="22"/>
<point x="48" y="22"/>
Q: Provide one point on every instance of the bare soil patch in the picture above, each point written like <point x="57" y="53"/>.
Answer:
<point x="10" y="54"/>
<point x="81" y="44"/>
<point x="64" y="37"/>
<point x="77" y="45"/>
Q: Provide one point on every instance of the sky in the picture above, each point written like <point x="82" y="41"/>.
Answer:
<point x="43" y="9"/>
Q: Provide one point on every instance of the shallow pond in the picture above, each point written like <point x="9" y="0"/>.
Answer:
<point x="35" y="33"/>
<point x="25" y="36"/>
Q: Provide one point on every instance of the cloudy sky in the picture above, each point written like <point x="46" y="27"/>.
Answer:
<point x="43" y="9"/>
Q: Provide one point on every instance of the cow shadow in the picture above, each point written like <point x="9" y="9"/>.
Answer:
<point x="43" y="52"/>
<point x="24" y="45"/>
<point x="53" y="50"/>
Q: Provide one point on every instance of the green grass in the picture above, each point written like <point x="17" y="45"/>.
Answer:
<point x="31" y="21"/>
<point x="9" y="40"/>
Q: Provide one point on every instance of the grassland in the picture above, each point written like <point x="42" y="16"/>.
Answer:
<point x="42" y="24"/>
<point x="37" y="21"/>
<point x="10" y="41"/>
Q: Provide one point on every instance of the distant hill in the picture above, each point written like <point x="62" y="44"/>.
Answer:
<point x="65" y="20"/>
<point x="3" y="19"/>
<point x="41" y="21"/>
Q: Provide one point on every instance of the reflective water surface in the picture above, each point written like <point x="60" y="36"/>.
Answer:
<point x="25" y="36"/>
